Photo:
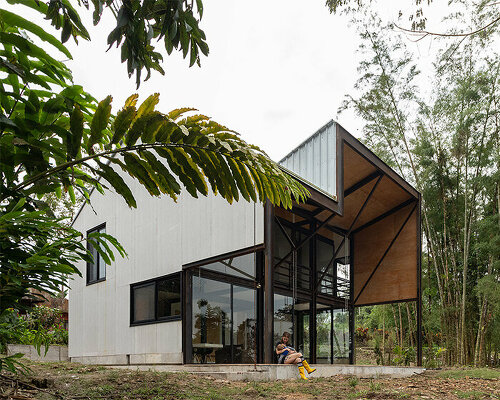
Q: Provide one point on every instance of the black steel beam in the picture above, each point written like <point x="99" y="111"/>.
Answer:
<point x="385" y="252"/>
<point x="386" y="214"/>
<point x="304" y="241"/>
<point x="268" y="283"/>
<point x="362" y="183"/>
<point x="323" y="272"/>
<point x="282" y="228"/>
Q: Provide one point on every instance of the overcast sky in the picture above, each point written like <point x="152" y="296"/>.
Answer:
<point x="277" y="70"/>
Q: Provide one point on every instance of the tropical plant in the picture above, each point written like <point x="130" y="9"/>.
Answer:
<point x="56" y="138"/>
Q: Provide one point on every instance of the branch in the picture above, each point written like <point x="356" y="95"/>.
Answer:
<point x="424" y="34"/>
<point x="143" y="146"/>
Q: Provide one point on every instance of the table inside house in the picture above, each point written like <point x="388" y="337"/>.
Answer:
<point x="202" y="350"/>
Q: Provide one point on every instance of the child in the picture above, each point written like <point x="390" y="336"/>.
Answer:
<point x="291" y="356"/>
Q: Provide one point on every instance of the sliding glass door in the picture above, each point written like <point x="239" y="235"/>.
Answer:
<point x="223" y="311"/>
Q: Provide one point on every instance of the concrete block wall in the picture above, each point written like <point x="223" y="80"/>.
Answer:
<point x="54" y="353"/>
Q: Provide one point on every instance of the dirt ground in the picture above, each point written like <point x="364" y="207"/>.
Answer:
<point x="74" y="381"/>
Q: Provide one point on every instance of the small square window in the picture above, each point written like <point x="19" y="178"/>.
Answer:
<point x="96" y="270"/>
<point x="156" y="300"/>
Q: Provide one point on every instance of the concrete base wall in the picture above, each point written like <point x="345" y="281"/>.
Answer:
<point x="131" y="359"/>
<point x="264" y="372"/>
<point x="54" y="353"/>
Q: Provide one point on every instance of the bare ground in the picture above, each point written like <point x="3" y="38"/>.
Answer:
<point x="74" y="381"/>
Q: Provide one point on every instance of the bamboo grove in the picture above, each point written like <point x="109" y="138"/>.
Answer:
<point x="447" y="143"/>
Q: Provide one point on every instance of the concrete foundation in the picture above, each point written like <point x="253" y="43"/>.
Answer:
<point x="265" y="372"/>
<point x="54" y="353"/>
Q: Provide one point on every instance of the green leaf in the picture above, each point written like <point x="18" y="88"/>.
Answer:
<point x="99" y="121"/>
<point x="176" y="168"/>
<point x="137" y="168"/>
<point x="15" y="20"/>
<point x="190" y="169"/>
<point x="122" y="122"/>
<point x="76" y="129"/>
<point x="199" y="5"/>
<point x="167" y="181"/>
<point x="148" y="105"/>
<point x="240" y="181"/>
<point x="118" y="183"/>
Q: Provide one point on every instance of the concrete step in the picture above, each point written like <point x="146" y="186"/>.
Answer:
<point x="252" y="375"/>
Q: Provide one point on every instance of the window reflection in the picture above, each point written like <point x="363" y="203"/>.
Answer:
<point x="241" y="267"/>
<point x="144" y="303"/>
<point x="223" y="322"/>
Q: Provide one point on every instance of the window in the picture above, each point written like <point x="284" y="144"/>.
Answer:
<point x="156" y="300"/>
<point x="96" y="270"/>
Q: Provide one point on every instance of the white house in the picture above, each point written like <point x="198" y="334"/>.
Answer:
<point x="210" y="282"/>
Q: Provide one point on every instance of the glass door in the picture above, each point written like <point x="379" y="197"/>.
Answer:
<point x="223" y="322"/>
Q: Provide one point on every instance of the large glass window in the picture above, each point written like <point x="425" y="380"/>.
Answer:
<point x="224" y="324"/>
<point x="341" y="337"/>
<point x="96" y="270"/>
<point x="156" y="300"/>
<point x="240" y="267"/>
<point x="323" y="335"/>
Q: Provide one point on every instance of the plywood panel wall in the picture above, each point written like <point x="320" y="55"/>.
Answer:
<point x="396" y="277"/>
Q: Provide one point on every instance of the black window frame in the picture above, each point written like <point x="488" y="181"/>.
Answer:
<point x="155" y="281"/>
<point x="98" y="260"/>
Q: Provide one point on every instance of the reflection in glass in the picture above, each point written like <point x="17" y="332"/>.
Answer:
<point x="323" y="335"/>
<point x="144" y="303"/>
<point x="241" y="266"/>
<point x="325" y="252"/>
<point x="101" y="274"/>
<point x="217" y="338"/>
<point x="211" y="320"/>
<point x="301" y="332"/>
<point x="243" y="325"/>
<point x="341" y="336"/>
<point x="169" y="297"/>
<point x="283" y="318"/>
<point x="92" y="269"/>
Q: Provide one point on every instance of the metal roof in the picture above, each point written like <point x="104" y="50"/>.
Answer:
<point x="315" y="159"/>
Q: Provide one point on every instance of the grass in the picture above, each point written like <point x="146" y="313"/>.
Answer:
<point x="478" y="373"/>
<point x="93" y="382"/>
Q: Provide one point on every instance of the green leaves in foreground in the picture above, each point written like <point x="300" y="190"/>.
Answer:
<point x="164" y="152"/>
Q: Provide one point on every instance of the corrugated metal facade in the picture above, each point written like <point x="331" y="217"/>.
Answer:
<point x="315" y="159"/>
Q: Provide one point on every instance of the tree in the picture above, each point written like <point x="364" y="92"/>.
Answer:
<point x="483" y="17"/>
<point x="447" y="145"/>
<point x="56" y="138"/>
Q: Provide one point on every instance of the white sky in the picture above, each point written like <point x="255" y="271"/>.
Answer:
<point x="277" y="70"/>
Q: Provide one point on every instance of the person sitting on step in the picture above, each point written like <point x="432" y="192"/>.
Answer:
<point x="288" y="355"/>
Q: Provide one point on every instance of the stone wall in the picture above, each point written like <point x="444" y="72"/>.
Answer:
<point x="54" y="353"/>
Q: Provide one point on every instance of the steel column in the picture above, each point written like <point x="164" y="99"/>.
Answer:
<point x="352" y="347"/>
<point x="187" y="318"/>
<point x="419" y="282"/>
<point x="268" y="283"/>
<point x="314" y="301"/>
